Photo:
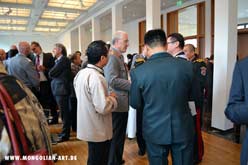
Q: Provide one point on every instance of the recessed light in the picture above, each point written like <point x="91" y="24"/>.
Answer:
<point x="125" y="7"/>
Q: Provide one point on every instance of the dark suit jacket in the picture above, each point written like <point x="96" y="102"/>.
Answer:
<point x="60" y="74"/>
<point x="48" y="62"/>
<point x="237" y="107"/>
<point x="162" y="87"/>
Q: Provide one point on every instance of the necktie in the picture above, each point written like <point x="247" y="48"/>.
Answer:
<point x="37" y="61"/>
<point x="37" y="64"/>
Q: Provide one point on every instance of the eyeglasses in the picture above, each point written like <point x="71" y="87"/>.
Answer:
<point x="171" y="42"/>
<point x="33" y="49"/>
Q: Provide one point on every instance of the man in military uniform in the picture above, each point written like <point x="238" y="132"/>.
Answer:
<point x="200" y="69"/>
<point x="137" y="60"/>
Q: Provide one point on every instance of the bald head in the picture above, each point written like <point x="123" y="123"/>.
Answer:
<point x="2" y="55"/>
<point x="189" y="51"/>
<point x="24" y="48"/>
<point x="120" y="41"/>
<point x="13" y="47"/>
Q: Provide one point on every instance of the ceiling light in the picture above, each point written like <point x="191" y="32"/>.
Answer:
<point x="18" y="1"/>
<point x="12" y="28"/>
<point x="14" y="12"/>
<point x="42" y="29"/>
<point x="59" y="15"/>
<point x="72" y="4"/>
<point x="52" y="23"/>
<point x="13" y="21"/>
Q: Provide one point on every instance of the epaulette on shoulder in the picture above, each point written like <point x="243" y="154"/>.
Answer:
<point x="138" y="60"/>
<point x="199" y="60"/>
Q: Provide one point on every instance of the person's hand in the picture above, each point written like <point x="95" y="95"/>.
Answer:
<point x="113" y="95"/>
<point x="41" y="68"/>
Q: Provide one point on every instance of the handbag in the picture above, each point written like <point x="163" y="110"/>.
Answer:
<point x="14" y="126"/>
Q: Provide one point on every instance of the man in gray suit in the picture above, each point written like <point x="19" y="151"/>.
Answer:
<point x="163" y="93"/>
<point x="116" y="75"/>
<point x="23" y="69"/>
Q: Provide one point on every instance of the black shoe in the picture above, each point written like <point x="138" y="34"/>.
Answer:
<point x="62" y="139"/>
<point x="141" y="152"/>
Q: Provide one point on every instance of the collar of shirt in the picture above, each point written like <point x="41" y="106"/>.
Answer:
<point x="116" y="50"/>
<point x="100" y="70"/>
<point x="41" y="55"/>
<point x="56" y="61"/>
<point x="181" y="55"/>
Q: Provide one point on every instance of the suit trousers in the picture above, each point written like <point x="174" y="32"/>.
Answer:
<point x="119" y="120"/>
<point x="182" y="153"/>
<point x="73" y="107"/>
<point x="98" y="153"/>
<point x="140" y="140"/>
<point x="63" y="104"/>
<point x="45" y="93"/>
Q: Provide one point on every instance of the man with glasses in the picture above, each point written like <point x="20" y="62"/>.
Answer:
<point x="43" y="63"/>
<point x="117" y="77"/>
<point x="175" y="45"/>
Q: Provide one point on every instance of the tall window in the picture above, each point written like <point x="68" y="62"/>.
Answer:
<point x="187" y="21"/>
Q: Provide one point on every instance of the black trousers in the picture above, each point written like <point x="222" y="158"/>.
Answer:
<point x="63" y="104"/>
<point x="73" y="107"/>
<point x="119" y="120"/>
<point x="98" y="153"/>
<point x="140" y="140"/>
<point x="47" y="100"/>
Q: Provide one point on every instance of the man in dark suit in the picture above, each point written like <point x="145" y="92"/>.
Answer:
<point x="43" y="63"/>
<point x="163" y="93"/>
<point x="61" y="79"/>
<point x="175" y="47"/>
<point x="237" y="107"/>
<point x="116" y="75"/>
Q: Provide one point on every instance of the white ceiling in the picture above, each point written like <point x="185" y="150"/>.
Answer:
<point x="132" y="10"/>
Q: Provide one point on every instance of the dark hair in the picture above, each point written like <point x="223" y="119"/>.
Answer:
<point x="108" y="46"/>
<point x="156" y="37"/>
<point x="36" y="44"/>
<point x="12" y="53"/>
<point x="78" y="52"/>
<point x="177" y="37"/>
<point x="73" y="56"/>
<point x="211" y="57"/>
<point x="95" y="50"/>
<point x="129" y="56"/>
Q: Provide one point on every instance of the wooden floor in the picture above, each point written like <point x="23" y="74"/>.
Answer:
<point x="218" y="151"/>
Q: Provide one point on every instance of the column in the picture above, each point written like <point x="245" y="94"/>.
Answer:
<point x="208" y="28"/>
<point x="96" y="35"/>
<point x="153" y="12"/>
<point x="225" y="51"/>
<point x="116" y="18"/>
<point x="81" y="39"/>
<point x="165" y="23"/>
